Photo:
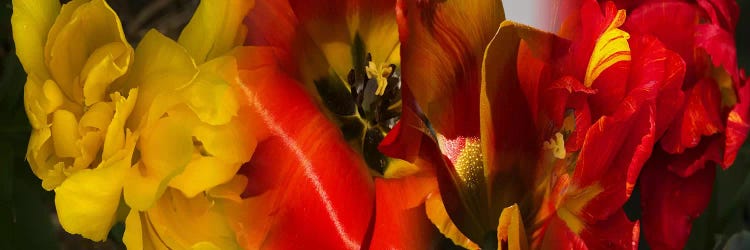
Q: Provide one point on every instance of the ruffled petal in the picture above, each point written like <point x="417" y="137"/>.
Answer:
<point x="162" y="67"/>
<point x="70" y="60"/>
<point x="219" y="159"/>
<point x="166" y="149"/>
<point x="660" y="19"/>
<point x="700" y="117"/>
<point x="87" y="201"/>
<point x="183" y="223"/>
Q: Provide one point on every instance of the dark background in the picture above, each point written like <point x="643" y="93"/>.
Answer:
<point x="27" y="214"/>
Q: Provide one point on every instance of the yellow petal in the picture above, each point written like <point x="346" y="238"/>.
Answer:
<point x="139" y="234"/>
<point x="133" y="236"/>
<point x="203" y="173"/>
<point x="31" y="23"/>
<point x="226" y="142"/>
<point x="92" y="127"/>
<point x="40" y="100"/>
<point x="215" y="28"/>
<point x="141" y="187"/>
<point x="379" y="32"/>
<point x="81" y="29"/>
<point x="87" y="201"/>
<point x="230" y="190"/>
<point x="161" y="67"/>
<point x="114" y="140"/>
<point x="39" y="150"/>
<point x="211" y="95"/>
<point x="510" y="229"/>
<point x="54" y="176"/>
<point x="218" y="153"/>
<point x="105" y="65"/>
<point x="166" y="148"/>
<point x="65" y="133"/>
<point x="198" y="222"/>
<point x="96" y="118"/>
<point x="398" y="168"/>
<point x="439" y="217"/>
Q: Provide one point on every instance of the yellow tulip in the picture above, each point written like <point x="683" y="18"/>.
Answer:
<point x="154" y="130"/>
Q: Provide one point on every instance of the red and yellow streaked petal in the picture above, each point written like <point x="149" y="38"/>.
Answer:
<point x="659" y="19"/>
<point x="559" y="236"/>
<point x="700" y="117"/>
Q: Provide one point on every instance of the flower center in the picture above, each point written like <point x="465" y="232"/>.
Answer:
<point x="367" y="105"/>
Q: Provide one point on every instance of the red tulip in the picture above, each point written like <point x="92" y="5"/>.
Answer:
<point x="324" y="86"/>
<point x="710" y="124"/>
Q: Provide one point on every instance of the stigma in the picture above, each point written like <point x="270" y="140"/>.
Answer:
<point x="556" y="145"/>
<point x="381" y="74"/>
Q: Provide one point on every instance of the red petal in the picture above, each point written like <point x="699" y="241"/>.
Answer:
<point x="613" y="154"/>
<point x="700" y="117"/>
<point x="559" y="236"/>
<point x="719" y="44"/>
<point x="400" y="219"/>
<point x="315" y="200"/>
<point x="616" y="232"/>
<point x="737" y="125"/>
<point x="617" y="146"/>
<point x="722" y="12"/>
<point x="663" y="19"/>
<point x="670" y="203"/>
<point x="694" y="159"/>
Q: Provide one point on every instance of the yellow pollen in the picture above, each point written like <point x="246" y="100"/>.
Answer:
<point x="611" y="47"/>
<point x="380" y="74"/>
<point x="469" y="165"/>
<point x="556" y="145"/>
